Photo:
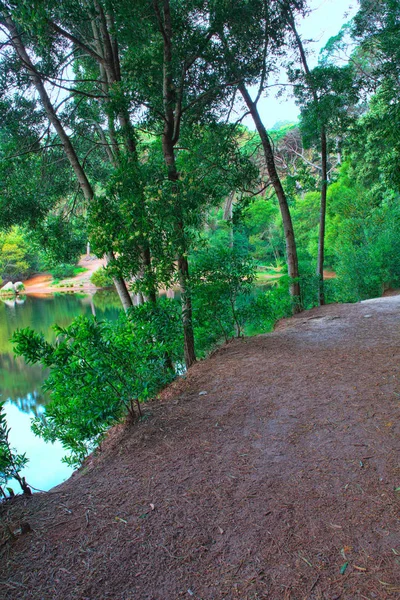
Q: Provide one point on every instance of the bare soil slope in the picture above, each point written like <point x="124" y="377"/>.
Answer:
<point x="42" y="284"/>
<point x="278" y="483"/>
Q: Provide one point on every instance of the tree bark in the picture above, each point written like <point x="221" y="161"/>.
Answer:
<point x="324" y="171"/>
<point x="172" y="117"/>
<point x="187" y="311"/>
<point x="322" y="218"/>
<point x="183" y="265"/>
<point x="291" y="251"/>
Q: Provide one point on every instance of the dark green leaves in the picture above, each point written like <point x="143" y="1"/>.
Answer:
<point x="99" y="370"/>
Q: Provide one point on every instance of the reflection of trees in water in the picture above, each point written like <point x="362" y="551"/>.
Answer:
<point x="21" y="383"/>
<point x="33" y="403"/>
<point x="42" y="313"/>
<point x="107" y="301"/>
<point x="17" y="379"/>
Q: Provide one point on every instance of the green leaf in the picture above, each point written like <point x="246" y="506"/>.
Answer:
<point x="343" y="568"/>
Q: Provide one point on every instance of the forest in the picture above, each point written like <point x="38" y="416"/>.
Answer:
<point x="122" y="125"/>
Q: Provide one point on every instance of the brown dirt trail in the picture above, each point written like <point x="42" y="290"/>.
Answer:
<point x="279" y="483"/>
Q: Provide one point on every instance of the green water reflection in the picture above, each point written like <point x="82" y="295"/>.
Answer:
<point x="20" y="384"/>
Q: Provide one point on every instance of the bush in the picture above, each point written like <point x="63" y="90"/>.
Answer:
<point x="100" y="370"/>
<point x="220" y="275"/>
<point x="62" y="271"/>
<point x="18" y="256"/>
<point x="369" y="255"/>
<point x="101" y="278"/>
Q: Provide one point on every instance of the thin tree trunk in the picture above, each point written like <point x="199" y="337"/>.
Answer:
<point x="183" y="265"/>
<point x="172" y="116"/>
<point x="291" y="251"/>
<point x="324" y="171"/>
<point x="152" y="297"/>
<point x="187" y="311"/>
<point x="120" y="286"/>
<point x="322" y="218"/>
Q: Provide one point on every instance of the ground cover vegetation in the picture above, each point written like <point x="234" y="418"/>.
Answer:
<point x="122" y="124"/>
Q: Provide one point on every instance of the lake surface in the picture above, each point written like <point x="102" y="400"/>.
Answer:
<point x="20" y="384"/>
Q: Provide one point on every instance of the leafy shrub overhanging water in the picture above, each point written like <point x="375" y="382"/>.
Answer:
<point x="100" y="371"/>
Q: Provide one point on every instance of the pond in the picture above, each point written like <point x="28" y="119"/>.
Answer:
<point x="20" y="384"/>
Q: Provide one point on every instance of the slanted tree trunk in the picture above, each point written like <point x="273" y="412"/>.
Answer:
<point x="291" y="251"/>
<point x="62" y="134"/>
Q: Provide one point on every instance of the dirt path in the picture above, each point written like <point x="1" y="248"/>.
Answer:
<point x="278" y="483"/>
<point x="42" y="284"/>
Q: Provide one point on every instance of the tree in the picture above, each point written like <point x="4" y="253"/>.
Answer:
<point x="36" y="78"/>
<point x="326" y="94"/>
<point x="171" y="81"/>
<point x="100" y="371"/>
<point x="251" y="38"/>
<point x="377" y="57"/>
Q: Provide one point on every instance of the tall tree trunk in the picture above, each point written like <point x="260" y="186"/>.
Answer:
<point x="322" y="218"/>
<point x="187" y="311"/>
<point x="65" y="140"/>
<point x="291" y="251"/>
<point x="172" y="117"/>
<point x="183" y="265"/>
<point x="324" y="169"/>
<point x="152" y="297"/>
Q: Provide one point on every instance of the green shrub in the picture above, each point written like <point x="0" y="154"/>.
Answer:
<point x="100" y="370"/>
<point x="62" y="271"/>
<point x="220" y="276"/>
<point x="101" y="278"/>
<point x="369" y="255"/>
<point x="18" y="256"/>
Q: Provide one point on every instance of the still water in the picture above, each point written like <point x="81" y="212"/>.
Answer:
<point x="20" y="384"/>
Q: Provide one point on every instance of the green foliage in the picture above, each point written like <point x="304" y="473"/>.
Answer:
<point x="99" y="370"/>
<point x="375" y="149"/>
<point x="221" y="275"/>
<point x="18" y="255"/>
<point x="369" y="255"/>
<point x="62" y="240"/>
<point x="62" y="271"/>
<point x="326" y="98"/>
<point x="305" y="215"/>
<point x="261" y="224"/>
<point x="11" y="463"/>
<point x="265" y="306"/>
<point x="101" y="278"/>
